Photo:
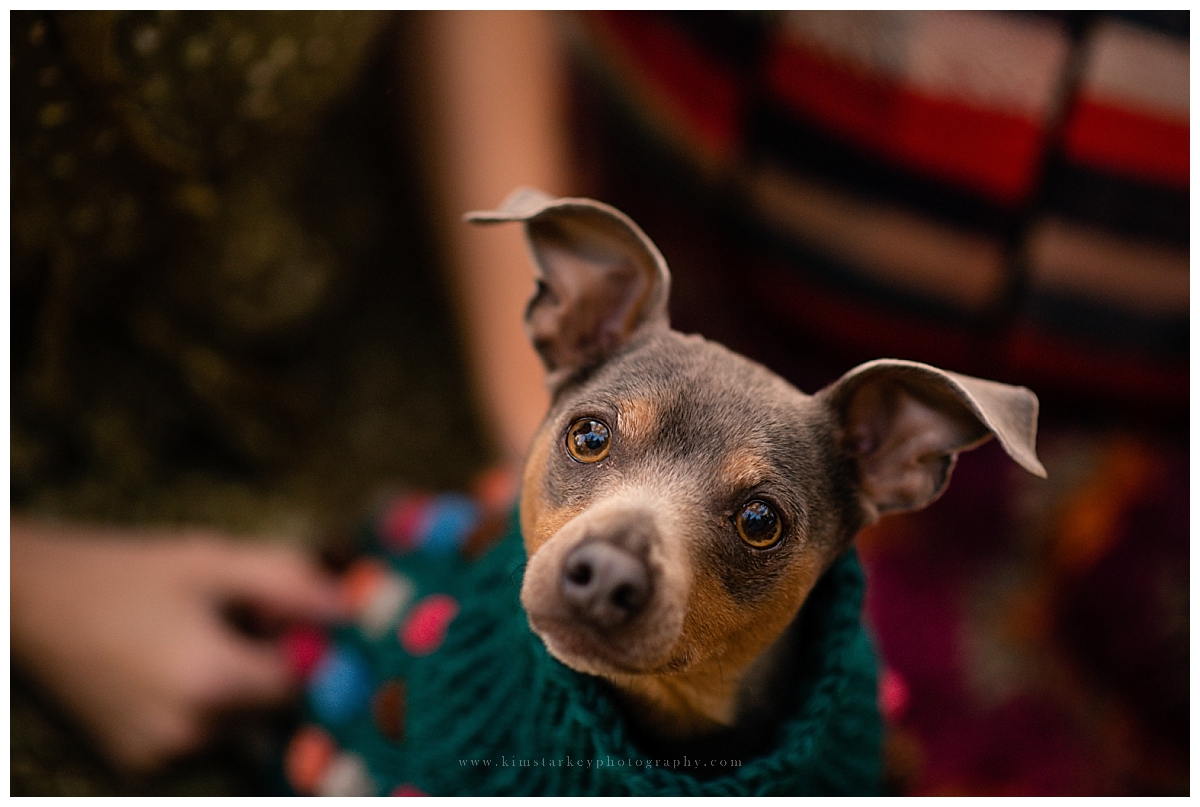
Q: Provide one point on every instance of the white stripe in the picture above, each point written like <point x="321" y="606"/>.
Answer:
<point x="1135" y="67"/>
<point x="1080" y="261"/>
<point x="1005" y="62"/>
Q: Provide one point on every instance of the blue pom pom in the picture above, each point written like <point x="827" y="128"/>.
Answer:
<point x="448" y="522"/>
<point x="341" y="686"/>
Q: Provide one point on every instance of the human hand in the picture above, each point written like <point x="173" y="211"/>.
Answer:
<point x="131" y="635"/>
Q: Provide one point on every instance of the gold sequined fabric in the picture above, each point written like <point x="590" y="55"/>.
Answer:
<point x="218" y="263"/>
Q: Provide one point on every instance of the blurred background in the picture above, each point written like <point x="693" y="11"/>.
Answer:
<point x="241" y="296"/>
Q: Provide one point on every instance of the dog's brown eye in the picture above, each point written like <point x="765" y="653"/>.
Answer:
<point x="588" y="440"/>
<point x="759" y="525"/>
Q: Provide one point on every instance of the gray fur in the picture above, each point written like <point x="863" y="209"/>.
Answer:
<point x="708" y="431"/>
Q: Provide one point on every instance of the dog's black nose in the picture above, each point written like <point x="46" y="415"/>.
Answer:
<point x="605" y="584"/>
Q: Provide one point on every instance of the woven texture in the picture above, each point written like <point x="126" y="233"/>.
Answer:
<point x="489" y="712"/>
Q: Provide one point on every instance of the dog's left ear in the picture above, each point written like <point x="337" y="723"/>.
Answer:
<point x="600" y="279"/>
<point x="904" y="424"/>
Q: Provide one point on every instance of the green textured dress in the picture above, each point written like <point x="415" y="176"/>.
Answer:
<point x="484" y="710"/>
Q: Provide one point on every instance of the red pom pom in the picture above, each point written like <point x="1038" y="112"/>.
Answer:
<point x="402" y="522"/>
<point x="304" y="646"/>
<point x="893" y="695"/>
<point x="425" y="629"/>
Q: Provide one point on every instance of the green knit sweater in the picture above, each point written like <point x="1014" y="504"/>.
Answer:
<point x="489" y="712"/>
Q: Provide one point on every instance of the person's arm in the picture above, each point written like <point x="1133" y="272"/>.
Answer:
<point x="130" y="634"/>
<point x="493" y="119"/>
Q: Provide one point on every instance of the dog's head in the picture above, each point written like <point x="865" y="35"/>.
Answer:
<point x="680" y="501"/>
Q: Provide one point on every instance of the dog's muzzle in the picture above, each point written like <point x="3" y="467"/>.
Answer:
<point x="603" y="594"/>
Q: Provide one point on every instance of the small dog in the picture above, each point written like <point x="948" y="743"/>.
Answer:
<point x="680" y="501"/>
<point x="679" y="506"/>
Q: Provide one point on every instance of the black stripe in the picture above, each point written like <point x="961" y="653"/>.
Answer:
<point x="1174" y="23"/>
<point x="1108" y="326"/>
<point x="734" y="38"/>
<point x="1129" y="207"/>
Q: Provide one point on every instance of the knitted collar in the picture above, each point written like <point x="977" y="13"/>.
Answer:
<point x="491" y="713"/>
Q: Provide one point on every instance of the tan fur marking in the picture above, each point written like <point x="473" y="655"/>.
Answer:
<point x="744" y="468"/>
<point x="539" y="522"/>
<point x="636" y="420"/>
<point x="720" y="639"/>
<point x="532" y="504"/>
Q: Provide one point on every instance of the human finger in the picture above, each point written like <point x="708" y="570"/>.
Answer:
<point x="249" y="673"/>
<point x="278" y="578"/>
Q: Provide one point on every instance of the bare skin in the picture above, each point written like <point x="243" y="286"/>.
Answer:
<point x="492" y="115"/>
<point x="128" y="633"/>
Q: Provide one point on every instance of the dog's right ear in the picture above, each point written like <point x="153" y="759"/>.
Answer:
<point x="600" y="280"/>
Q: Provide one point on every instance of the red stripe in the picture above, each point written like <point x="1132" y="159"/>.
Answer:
<point x="702" y="90"/>
<point x="1143" y="145"/>
<point x="991" y="152"/>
